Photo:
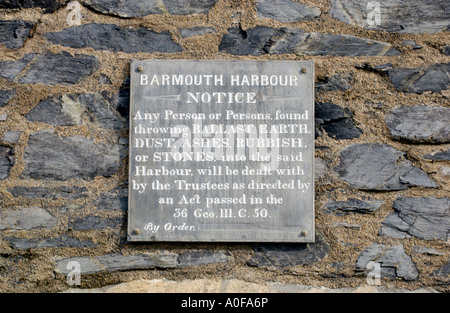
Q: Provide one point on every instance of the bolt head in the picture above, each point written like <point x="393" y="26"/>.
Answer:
<point x="140" y="68"/>
<point x="136" y="231"/>
<point x="304" y="233"/>
<point x="304" y="70"/>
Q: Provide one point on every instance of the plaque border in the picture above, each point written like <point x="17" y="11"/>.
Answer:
<point x="135" y="235"/>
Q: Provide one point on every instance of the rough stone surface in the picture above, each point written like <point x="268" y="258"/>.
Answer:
<point x="75" y="81"/>
<point x="264" y="40"/>
<point x="61" y="68"/>
<point x="57" y="242"/>
<point x="341" y="208"/>
<point x="425" y="250"/>
<point x="6" y="161"/>
<point x="347" y="225"/>
<point x="94" y="222"/>
<point x="438" y="156"/>
<point x="198" y="258"/>
<point x="444" y="270"/>
<point x="335" y="121"/>
<point x="394" y="262"/>
<point x="445" y="170"/>
<point x="420" y="16"/>
<point x="379" y="167"/>
<point x="196" y="31"/>
<point x="126" y="9"/>
<point x="286" y="11"/>
<point x="48" y="6"/>
<point x="287" y="255"/>
<point x="412" y="44"/>
<point x="10" y="69"/>
<point x="48" y="193"/>
<point x="114" y="38"/>
<point x="12" y="136"/>
<point x="49" y="68"/>
<point x="116" y="199"/>
<point x="139" y="8"/>
<point x="118" y="262"/>
<point x="5" y="96"/>
<point x="420" y="124"/>
<point x="77" y="109"/>
<point x="433" y="78"/>
<point x="26" y="218"/>
<point x="189" y="7"/>
<point x="338" y="82"/>
<point x="14" y="33"/>
<point x="424" y="218"/>
<point x="49" y="156"/>
<point x="446" y="50"/>
<point x="200" y="286"/>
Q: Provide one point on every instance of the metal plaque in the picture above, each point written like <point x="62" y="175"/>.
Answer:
<point x="221" y="151"/>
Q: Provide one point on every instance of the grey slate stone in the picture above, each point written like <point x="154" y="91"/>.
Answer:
<point x="338" y="82"/>
<point x="114" y="38"/>
<point x="433" y="78"/>
<point x="379" y="167"/>
<point x="121" y="100"/>
<point x="12" y="136"/>
<point x="58" y="111"/>
<point x="49" y="156"/>
<point x="127" y="9"/>
<point x="335" y="121"/>
<point x="49" y="68"/>
<point x="329" y="44"/>
<point x="394" y="262"/>
<point x="187" y="7"/>
<point x="10" y="69"/>
<point x="438" y="156"/>
<point x="77" y="109"/>
<point x="416" y="17"/>
<point x="341" y="208"/>
<point x="420" y="124"/>
<point x="286" y="11"/>
<point x="197" y="258"/>
<point x="57" y="242"/>
<point x="425" y="250"/>
<point x="48" y="6"/>
<point x="48" y="193"/>
<point x="287" y="255"/>
<point x="94" y="222"/>
<point x="116" y="199"/>
<point x="412" y="44"/>
<point x="26" y="218"/>
<point x="14" y="33"/>
<point x="61" y="68"/>
<point x="342" y="129"/>
<point x="347" y="225"/>
<point x="425" y="218"/>
<point x="444" y="270"/>
<point x="6" y="161"/>
<point x="6" y="95"/>
<point x="446" y="50"/>
<point x="140" y="8"/>
<point x="264" y="40"/>
<point x="117" y="262"/>
<point x="196" y="31"/>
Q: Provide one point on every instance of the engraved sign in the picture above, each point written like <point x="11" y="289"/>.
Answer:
<point x="221" y="151"/>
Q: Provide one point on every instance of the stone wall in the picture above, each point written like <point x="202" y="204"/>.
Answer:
<point x="382" y="139"/>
